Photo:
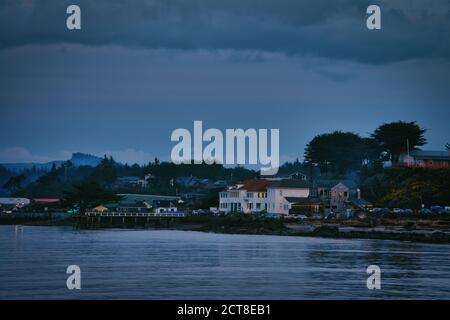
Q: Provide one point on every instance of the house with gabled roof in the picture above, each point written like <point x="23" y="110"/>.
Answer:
<point x="283" y="194"/>
<point x="336" y="194"/>
<point x="248" y="197"/>
<point x="291" y="196"/>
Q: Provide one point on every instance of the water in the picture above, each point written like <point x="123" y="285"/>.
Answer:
<point x="130" y="264"/>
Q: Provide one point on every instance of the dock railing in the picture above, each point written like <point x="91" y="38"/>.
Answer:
<point x="176" y="214"/>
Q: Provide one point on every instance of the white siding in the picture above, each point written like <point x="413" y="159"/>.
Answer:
<point x="242" y="201"/>
<point x="277" y="201"/>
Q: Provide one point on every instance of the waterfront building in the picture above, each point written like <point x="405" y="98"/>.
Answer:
<point x="284" y="194"/>
<point x="295" y="195"/>
<point x="19" y="202"/>
<point x="248" y="197"/>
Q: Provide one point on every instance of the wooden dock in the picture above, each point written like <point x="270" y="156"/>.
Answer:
<point x="135" y="214"/>
<point x="94" y="219"/>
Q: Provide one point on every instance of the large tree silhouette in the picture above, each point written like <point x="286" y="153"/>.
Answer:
<point x="394" y="137"/>
<point x="339" y="152"/>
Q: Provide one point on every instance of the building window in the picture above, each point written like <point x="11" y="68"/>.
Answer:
<point x="281" y="192"/>
<point x="262" y="195"/>
<point x="258" y="206"/>
<point x="249" y="195"/>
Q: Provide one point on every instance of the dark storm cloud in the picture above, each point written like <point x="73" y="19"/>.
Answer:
<point x="412" y="29"/>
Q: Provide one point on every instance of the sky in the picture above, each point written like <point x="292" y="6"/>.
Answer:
<point x="137" y="70"/>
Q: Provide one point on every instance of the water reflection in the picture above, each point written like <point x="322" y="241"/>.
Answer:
<point x="189" y="265"/>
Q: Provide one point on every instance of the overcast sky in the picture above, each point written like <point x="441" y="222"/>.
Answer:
<point x="140" y="69"/>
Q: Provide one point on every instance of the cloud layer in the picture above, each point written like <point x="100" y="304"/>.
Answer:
<point x="411" y="29"/>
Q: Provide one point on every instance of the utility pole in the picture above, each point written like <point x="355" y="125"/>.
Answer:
<point x="407" y="152"/>
<point x="407" y="146"/>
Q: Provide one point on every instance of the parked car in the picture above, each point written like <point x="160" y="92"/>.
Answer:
<point x="398" y="211"/>
<point x="214" y="210"/>
<point x="437" y="209"/>
<point x="302" y="217"/>
<point x="380" y="211"/>
<point x="408" y="211"/>
<point x="425" y="211"/>
<point x="272" y="216"/>
<point x="447" y="209"/>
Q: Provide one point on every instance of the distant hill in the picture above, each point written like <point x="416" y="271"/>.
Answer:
<point x="17" y="168"/>
<point x="78" y="159"/>
<point x="82" y="159"/>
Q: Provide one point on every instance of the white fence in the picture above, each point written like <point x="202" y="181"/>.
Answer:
<point x="135" y="214"/>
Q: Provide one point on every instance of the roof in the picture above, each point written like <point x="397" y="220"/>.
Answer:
<point x="330" y="183"/>
<point x="100" y="208"/>
<point x="300" y="184"/>
<point x="130" y="205"/>
<point x="45" y="200"/>
<point x="256" y="185"/>
<point x="293" y="175"/>
<point x="149" y="198"/>
<point x="309" y="200"/>
<point x="128" y="179"/>
<point x="430" y="155"/>
<point x="14" y="201"/>
<point x="360" y="202"/>
<point x="191" y="181"/>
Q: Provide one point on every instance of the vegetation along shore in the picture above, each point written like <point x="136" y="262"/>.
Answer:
<point x="416" y="229"/>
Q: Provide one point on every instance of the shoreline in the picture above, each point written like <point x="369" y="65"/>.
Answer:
<point x="250" y="226"/>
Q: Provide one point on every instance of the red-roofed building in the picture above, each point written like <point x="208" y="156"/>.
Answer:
<point x="249" y="197"/>
<point x="45" y="200"/>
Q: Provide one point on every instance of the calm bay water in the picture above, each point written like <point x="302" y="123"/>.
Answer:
<point x="130" y="264"/>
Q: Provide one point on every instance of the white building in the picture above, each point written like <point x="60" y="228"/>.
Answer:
<point x="19" y="202"/>
<point x="282" y="194"/>
<point x="247" y="197"/>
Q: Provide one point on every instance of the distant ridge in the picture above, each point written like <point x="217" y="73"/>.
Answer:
<point x="83" y="159"/>
<point x="78" y="159"/>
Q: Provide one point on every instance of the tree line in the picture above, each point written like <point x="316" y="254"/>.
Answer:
<point x="341" y="152"/>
